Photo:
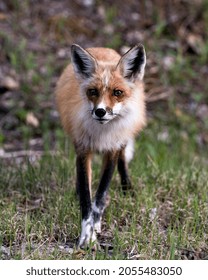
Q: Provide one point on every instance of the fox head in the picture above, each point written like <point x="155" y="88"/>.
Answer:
<point x="107" y="85"/>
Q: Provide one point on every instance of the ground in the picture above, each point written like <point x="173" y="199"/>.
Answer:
<point x="165" y="216"/>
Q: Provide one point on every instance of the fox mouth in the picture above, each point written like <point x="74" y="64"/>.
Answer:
<point x="102" y="120"/>
<point x="105" y="120"/>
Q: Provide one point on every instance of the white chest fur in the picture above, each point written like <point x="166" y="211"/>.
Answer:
<point x="111" y="136"/>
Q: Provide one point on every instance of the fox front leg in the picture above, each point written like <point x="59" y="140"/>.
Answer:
<point x="83" y="165"/>
<point x="110" y="160"/>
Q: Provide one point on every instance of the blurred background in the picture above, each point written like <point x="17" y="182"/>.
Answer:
<point x="35" y="39"/>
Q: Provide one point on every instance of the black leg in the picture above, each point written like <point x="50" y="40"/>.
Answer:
<point x="123" y="171"/>
<point x="82" y="184"/>
<point x="83" y="190"/>
<point x="99" y="204"/>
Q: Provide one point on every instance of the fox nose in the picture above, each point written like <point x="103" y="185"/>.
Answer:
<point x="100" y="112"/>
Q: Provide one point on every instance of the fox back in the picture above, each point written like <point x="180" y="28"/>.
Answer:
<point x="101" y="99"/>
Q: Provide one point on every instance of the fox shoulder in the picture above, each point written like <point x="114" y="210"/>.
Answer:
<point x="68" y="99"/>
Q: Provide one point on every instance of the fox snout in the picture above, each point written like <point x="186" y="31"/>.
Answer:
<point x="101" y="115"/>
<point x="100" y="112"/>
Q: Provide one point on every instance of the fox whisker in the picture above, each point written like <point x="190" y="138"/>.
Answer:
<point x="90" y="111"/>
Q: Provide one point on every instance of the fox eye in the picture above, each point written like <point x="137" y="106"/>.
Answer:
<point x="92" y="92"/>
<point x="117" y="92"/>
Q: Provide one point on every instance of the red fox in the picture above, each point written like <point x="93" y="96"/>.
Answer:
<point x="101" y="101"/>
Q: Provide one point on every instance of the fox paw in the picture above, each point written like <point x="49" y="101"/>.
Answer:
<point x="88" y="234"/>
<point x="97" y="226"/>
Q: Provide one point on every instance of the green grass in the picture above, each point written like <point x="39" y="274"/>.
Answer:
<point x="165" y="218"/>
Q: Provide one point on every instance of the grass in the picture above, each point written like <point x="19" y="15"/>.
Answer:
<point x="166" y="218"/>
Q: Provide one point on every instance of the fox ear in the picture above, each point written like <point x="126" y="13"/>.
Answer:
<point x="84" y="64"/>
<point x="132" y="63"/>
